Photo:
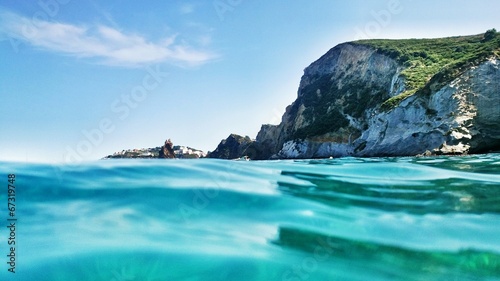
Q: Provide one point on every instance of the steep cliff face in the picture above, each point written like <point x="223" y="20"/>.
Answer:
<point x="362" y="100"/>
<point x="334" y="96"/>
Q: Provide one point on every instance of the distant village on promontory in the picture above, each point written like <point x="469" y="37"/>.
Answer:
<point x="168" y="150"/>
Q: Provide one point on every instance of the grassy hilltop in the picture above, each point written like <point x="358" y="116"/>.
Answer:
<point x="435" y="60"/>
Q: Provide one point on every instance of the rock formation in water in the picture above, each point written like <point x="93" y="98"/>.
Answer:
<point x="391" y="98"/>
<point x="167" y="151"/>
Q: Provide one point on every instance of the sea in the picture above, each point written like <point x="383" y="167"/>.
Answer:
<point x="409" y="218"/>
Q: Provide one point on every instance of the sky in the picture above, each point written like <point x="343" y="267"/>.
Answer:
<point x="81" y="79"/>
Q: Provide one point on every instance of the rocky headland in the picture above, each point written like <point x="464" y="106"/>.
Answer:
<point x="388" y="98"/>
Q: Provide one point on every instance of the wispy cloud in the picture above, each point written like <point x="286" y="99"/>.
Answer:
<point x="187" y="8"/>
<point x="101" y="43"/>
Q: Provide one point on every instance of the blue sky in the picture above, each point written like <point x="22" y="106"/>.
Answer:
<point x="81" y="79"/>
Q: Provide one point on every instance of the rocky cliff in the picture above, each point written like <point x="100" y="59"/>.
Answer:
<point x="393" y="98"/>
<point x="233" y="147"/>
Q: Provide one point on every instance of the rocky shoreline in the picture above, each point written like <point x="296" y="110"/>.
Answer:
<point x="377" y="98"/>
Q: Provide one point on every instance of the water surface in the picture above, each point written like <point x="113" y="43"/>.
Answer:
<point x="434" y="218"/>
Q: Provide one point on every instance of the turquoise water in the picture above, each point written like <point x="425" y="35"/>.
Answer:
<point x="338" y="219"/>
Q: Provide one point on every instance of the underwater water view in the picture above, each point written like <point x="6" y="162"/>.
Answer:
<point x="409" y="218"/>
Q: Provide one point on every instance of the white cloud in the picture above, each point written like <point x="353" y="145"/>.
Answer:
<point x="102" y="43"/>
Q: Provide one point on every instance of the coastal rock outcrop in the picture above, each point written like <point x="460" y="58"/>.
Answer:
<point x="167" y="151"/>
<point x="391" y="98"/>
<point x="234" y="146"/>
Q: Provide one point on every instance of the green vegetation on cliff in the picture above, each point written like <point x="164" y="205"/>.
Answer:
<point x="435" y="60"/>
